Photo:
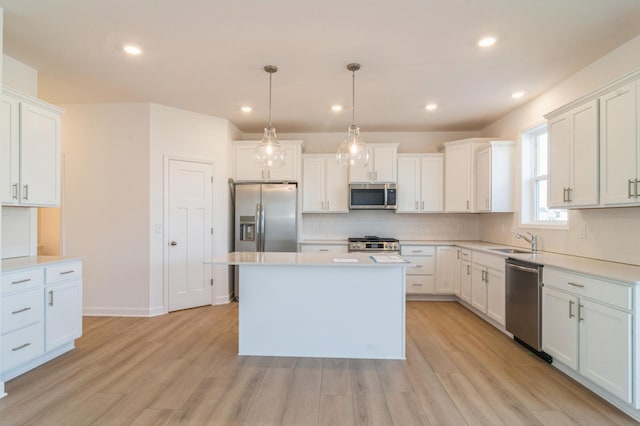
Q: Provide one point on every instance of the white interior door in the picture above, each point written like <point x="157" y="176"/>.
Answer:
<point x="189" y="239"/>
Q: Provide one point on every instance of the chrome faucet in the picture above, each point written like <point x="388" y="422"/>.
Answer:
<point x="533" y="240"/>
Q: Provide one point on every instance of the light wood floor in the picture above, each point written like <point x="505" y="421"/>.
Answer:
<point x="183" y="368"/>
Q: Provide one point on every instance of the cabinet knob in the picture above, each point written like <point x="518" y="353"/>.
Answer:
<point x="173" y="243"/>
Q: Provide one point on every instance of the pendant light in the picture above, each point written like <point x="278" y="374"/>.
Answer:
<point x="269" y="152"/>
<point x="353" y="151"/>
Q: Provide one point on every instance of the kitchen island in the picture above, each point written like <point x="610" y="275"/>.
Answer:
<point x="329" y="305"/>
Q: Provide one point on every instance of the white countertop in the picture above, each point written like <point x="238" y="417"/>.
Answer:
<point x="18" y="263"/>
<point x="600" y="268"/>
<point x="300" y="259"/>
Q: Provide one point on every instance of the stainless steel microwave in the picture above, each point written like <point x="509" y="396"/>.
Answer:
<point x="373" y="196"/>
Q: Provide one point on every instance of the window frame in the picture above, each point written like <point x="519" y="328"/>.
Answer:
<point x="530" y="180"/>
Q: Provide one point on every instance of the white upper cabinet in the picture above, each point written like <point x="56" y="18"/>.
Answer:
<point x="494" y="177"/>
<point x="382" y="166"/>
<point x="459" y="174"/>
<point x="245" y="168"/>
<point x="30" y="151"/>
<point x="620" y="146"/>
<point x="573" y="157"/>
<point x="324" y="185"/>
<point x="420" y="183"/>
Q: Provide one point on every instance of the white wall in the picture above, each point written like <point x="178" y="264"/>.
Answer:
<point x="106" y="211"/>
<point x="611" y="234"/>
<point x="184" y="134"/>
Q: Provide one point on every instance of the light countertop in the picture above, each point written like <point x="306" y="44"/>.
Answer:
<point x="600" y="268"/>
<point x="301" y="259"/>
<point x="27" y="262"/>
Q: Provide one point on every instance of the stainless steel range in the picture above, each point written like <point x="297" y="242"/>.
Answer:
<point x="373" y="244"/>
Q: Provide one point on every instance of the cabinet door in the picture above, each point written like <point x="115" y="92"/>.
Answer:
<point x="457" y="273"/>
<point x="465" y="281"/>
<point x="605" y="348"/>
<point x="409" y="184"/>
<point x="584" y="164"/>
<point x="361" y="174"/>
<point x="446" y="263"/>
<point x="288" y="172"/>
<point x="63" y="314"/>
<point x="560" y="326"/>
<point x="313" y="178"/>
<point x="9" y="152"/>
<point x="457" y="178"/>
<point x="39" y="156"/>
<point x="336" y="186"/>
<point x="483" y="180"/>
<point x="496" y="295"/>
<point x="618" y="145"/>
<point x="478" y="288"/>
<point x="245" y="165"/>
<point x="385" y="164"/>
<point x="559" y="159"/>
<point x="431" y="184"/>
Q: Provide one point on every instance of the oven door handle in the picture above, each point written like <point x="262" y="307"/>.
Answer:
<point x="522" y="268"/>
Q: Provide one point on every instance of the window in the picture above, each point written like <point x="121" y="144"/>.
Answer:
<point x="534" y="181"/>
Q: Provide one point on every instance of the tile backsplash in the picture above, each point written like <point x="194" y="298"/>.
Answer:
<point x="389" y="224"/>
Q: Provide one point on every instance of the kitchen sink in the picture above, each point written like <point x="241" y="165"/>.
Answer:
<point x="510" y="250"/>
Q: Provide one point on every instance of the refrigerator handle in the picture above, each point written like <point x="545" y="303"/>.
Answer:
<point x="262" y="228"/>
<point x="258" y="228"/>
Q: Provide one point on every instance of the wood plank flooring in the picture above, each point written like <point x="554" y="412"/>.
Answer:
<point x="183" y="368"/>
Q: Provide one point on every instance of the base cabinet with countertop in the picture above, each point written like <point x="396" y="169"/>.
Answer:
<point x="420" y="278"/>
<point x="41" y="312"/>
<point x="587" y="325"/>
<point x="488" y="285"/>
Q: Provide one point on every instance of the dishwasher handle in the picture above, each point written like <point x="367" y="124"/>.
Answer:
<point x="522" y="268"/>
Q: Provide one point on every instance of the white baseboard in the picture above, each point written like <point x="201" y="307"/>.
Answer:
<point x="221" y="300"/>
<point x="123" y="312"/>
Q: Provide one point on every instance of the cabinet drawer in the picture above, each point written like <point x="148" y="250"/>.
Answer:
<point x="615" y="294"/>
<point x="424" y="265"/>
<point x="21" y="309"/>
<point x="420" y="284"/>
<point x="63" y="272"/>
<point x="418" y="250"/>
<point x="465" y="254"/>
<point x="22" y="345"/>
<point x="22" y="280"/>
<point x="324" y="248"/>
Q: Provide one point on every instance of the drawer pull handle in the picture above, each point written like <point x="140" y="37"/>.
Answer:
<point x="419" y="266"/>
<point x="324" y="249"/>
<point x="416" y="251"/>
<point x="17" y="348"/>
<point x="26" y="280"/>
<point x="19" y="311"/>
<point x="67" y="272"/>
<point x="417" y="285"/>
<point x="576" y="284"/>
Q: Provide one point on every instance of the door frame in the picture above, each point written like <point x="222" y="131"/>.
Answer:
<point x="165" y="222"/>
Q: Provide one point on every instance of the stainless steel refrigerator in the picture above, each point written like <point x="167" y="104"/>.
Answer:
<point x="265" y="218"/>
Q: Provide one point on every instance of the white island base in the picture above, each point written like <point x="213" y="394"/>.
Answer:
<point x="312" y="306"/>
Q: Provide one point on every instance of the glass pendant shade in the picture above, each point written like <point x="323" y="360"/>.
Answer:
<point x="269" y="153"/>
<point x="353" y="151"/>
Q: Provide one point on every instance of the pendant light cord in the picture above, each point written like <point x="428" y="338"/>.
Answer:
<point x="270" y="75"/>
<point x="353" y="98"/>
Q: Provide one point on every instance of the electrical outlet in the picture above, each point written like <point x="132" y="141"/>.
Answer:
<point x="582" y="232"/>
<point x="158" y="228"/>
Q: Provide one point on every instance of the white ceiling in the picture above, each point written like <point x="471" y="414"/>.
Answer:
<point x="207" y="55"/>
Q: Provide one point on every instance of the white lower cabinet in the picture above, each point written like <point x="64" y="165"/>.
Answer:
<point x="446" y="263"/>
<point x="488" y="285"/>
<point x="465" y="279"/>
<point x="587" y="326"/>
<point x="420" y="278"/>
<point x="41" y="315"/>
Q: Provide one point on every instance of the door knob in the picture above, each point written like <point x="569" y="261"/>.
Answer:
<point x="173" y="243"/>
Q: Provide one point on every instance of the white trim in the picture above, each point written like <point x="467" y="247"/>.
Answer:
<point x="223" y="300"/>
<point x="123" y="312"/>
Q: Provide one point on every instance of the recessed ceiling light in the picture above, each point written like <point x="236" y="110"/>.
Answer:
<point x="431" y="107"/>
<point x="336" y="108"/>
<point x="487" y="41"/>
<point x="132" y="50"/>
<point x="246" y="109"/>
<point x="516" y="95"/>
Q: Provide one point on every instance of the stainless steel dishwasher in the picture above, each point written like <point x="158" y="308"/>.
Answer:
<point x="524" y="304"/>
